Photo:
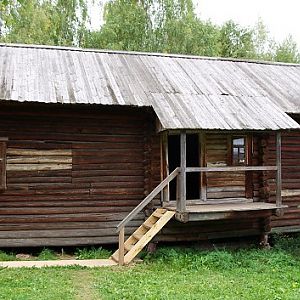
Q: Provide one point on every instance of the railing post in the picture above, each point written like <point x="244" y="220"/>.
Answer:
<point x="121" y="245"/>
<point x="166" y="190"/>
<point x="203" y="189"/>
<point x="181" y="204"/>
<point x="278" y="172"/>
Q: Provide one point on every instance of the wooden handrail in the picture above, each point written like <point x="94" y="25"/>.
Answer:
<point x="232" y="169"/>
<point x="148" y="199"/>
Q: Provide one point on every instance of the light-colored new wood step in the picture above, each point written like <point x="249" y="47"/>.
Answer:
<point x="144" y="234"/>
<point x="128" y="247"/>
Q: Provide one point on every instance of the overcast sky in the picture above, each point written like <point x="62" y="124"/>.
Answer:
<point x="281" y="17"/>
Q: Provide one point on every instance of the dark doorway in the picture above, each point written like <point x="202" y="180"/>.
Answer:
<point x="192" y="160"/>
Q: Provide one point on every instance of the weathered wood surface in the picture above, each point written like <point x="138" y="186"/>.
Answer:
<point x="290" y="162"/>
<point x="226" y="188"/>
<point x="139" y="208"/>
<point x="218" y="154"/>
<point x="72" y="174"/>
<point x="3" y="149"/>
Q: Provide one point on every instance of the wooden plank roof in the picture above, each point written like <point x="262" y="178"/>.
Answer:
<point x="185" y="91"/>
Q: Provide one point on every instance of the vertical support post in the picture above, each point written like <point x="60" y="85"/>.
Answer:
<point x="166" y="190"/>
<point x="121" y="246"/>
<point x="203" y="190"/>
<point x="181" y="203"/>
<point x="278" y="173"/>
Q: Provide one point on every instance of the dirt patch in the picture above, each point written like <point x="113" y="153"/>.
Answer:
<point x="83" y="282"/>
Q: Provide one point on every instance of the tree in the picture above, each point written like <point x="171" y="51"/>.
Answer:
<point x="154" y="25"/>
<point x="126" y="27"/>
<point x="287" y="51"/>
<point x="264" y="44"/>
<point x="236" y="41"/>
<point x="43" y="21"/>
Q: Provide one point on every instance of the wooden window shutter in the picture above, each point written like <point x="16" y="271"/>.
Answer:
<point x="2" y="164"/>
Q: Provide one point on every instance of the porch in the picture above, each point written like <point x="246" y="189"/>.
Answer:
<point x="205" y="208"/>
<point x="202" y="209"/>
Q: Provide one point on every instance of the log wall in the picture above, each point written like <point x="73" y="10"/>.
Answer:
<point x="72" y="173"/>
<point x="223" y="184"/>
<point x="290" y="221"/>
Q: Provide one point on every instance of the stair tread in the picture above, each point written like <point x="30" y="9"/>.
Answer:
<point x="148" y="226"/>
<point x="137" y="236"/>
<point x="128" y="247"/>
<point x="115" y="257"/>
<point x="141" y="237"/>
<point x="157" y="214"/>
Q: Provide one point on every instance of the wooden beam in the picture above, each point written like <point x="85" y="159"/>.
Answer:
<point x="166" y="191"/>
<point x="278" y="173"/>
<point x="148" y="199"/>
<point x="249" y="175"/>
<point x="181" y="203"/>
<point x="232" y="169"/>
<point x="203" y="188"/>
<point x="121" y="246"/>
<point x="3" y="165"/>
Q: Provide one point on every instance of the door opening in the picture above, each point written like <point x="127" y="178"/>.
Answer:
<point x="192" y="160"/>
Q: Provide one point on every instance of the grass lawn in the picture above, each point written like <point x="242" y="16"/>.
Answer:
<point x="169" y="274"/>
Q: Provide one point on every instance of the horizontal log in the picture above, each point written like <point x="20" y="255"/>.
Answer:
<point x="43" y="242"/>
<point x="38" y="167"/>
<point x="66" y="225"/>
<point x="232" y="169"/>
<point x="56" y="218"/>
<point x="70" y="203"/>
<point x="39" y="160"/>
<point x="61" y="233"/>
<point x="33" y="152"/>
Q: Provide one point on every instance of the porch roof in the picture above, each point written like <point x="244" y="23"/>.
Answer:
<point x="186" y="92"/>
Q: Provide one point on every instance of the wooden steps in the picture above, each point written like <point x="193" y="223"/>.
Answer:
<point x="144" y="234"/>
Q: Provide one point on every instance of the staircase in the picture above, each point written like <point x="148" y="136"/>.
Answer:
<point x="144" y="234"/>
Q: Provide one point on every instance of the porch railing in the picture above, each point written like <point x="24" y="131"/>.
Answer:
<point x="181" y="201"/>
<point x="138" y="209"/>
<point x="181" y="180"/>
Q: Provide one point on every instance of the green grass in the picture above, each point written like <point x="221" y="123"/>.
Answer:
<point x="36" y="284"/>
<point x="47" y="254"/>
<point x="4" y="256"/>
<point x="92" y="253"/>
<point x="170" y="273"/>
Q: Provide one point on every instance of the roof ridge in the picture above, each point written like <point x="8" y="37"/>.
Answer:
<point x="186" y="56"/>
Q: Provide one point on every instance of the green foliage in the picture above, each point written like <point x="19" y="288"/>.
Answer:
<point x="4" y="256"/>
<point x="52" y="22"/>
<point x="192" y="274"/>
<point x="171" y="26"/>
<point x="287" y="51"/>
<point x="287" y="243"/>
<point x="92" y="253"/>
<point x="168" y="26"/>
<point x="170" y="273"/>
<point x="36" y="284"/>
<point x="47" y="254"/>
<point x="236" y="41"/>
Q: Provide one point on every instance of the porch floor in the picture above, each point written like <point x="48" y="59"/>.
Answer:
<point x="219" y="211"/>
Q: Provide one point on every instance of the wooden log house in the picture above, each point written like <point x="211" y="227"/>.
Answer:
<point x="92" y="142"/>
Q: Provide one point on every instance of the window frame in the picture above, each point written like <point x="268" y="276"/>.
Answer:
<point x="3" y="148"/>
<point x="245" y="146"/>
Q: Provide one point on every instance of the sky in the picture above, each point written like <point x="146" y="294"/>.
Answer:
<point x="281" y="17"/>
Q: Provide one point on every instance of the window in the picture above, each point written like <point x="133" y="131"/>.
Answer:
<point x="2" y="164"/>
<point x="238" y="151"/>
